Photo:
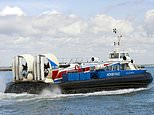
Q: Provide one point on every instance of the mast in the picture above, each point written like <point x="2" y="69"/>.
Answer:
<point x="117" y="43"/>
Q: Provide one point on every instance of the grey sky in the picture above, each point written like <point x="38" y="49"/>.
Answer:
<point x="76" y="28"/>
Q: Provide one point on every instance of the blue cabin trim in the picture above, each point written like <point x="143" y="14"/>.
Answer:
<point x="99" y="74"/>
<point x="118" y="73"/>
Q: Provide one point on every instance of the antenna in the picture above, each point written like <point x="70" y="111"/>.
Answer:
<point x="117" y="43"/>
<point x="114" y="30"/>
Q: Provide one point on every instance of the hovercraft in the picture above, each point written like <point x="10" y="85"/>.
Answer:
<point x="34" y="74"/>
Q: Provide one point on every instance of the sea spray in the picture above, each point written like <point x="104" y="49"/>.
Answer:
<point x="2" y="84"/>
<point x="5" y="77"/>
<point x="55" y="94"/>
<point x="54" y="91"/>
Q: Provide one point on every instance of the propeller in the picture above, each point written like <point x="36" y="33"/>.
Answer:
<point x="24" y="70"/>
<point x="46" y="69"/>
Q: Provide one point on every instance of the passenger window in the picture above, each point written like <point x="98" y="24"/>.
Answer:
<point x="124" y="67"/>
<point x="127" y="67"/>
<point x="116" y="67"/>
<point x="108" y="68"/>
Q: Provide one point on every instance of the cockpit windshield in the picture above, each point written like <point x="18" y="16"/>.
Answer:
<point x="127" y="54"/>
<point x="123" y="54"/>
<point x="114" y="55"/>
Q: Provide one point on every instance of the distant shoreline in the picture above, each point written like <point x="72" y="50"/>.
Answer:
<point x="145" y="65"/>
<point x="6" y="68"/>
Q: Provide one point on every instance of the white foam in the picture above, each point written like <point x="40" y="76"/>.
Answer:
<point x="46" y="94"/>
<point x="55" y="91"/>
<point x="116" y="92"/>
<point x="51" y="95"/>
<point x="2" y="84"/>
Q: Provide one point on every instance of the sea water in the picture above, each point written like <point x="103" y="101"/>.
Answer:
<point x="121" y="102"/>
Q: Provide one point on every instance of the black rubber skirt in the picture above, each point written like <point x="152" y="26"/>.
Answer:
<point x="93" y="85"/>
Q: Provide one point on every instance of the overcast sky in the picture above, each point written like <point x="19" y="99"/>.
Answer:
<point x="76" y="28"/>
